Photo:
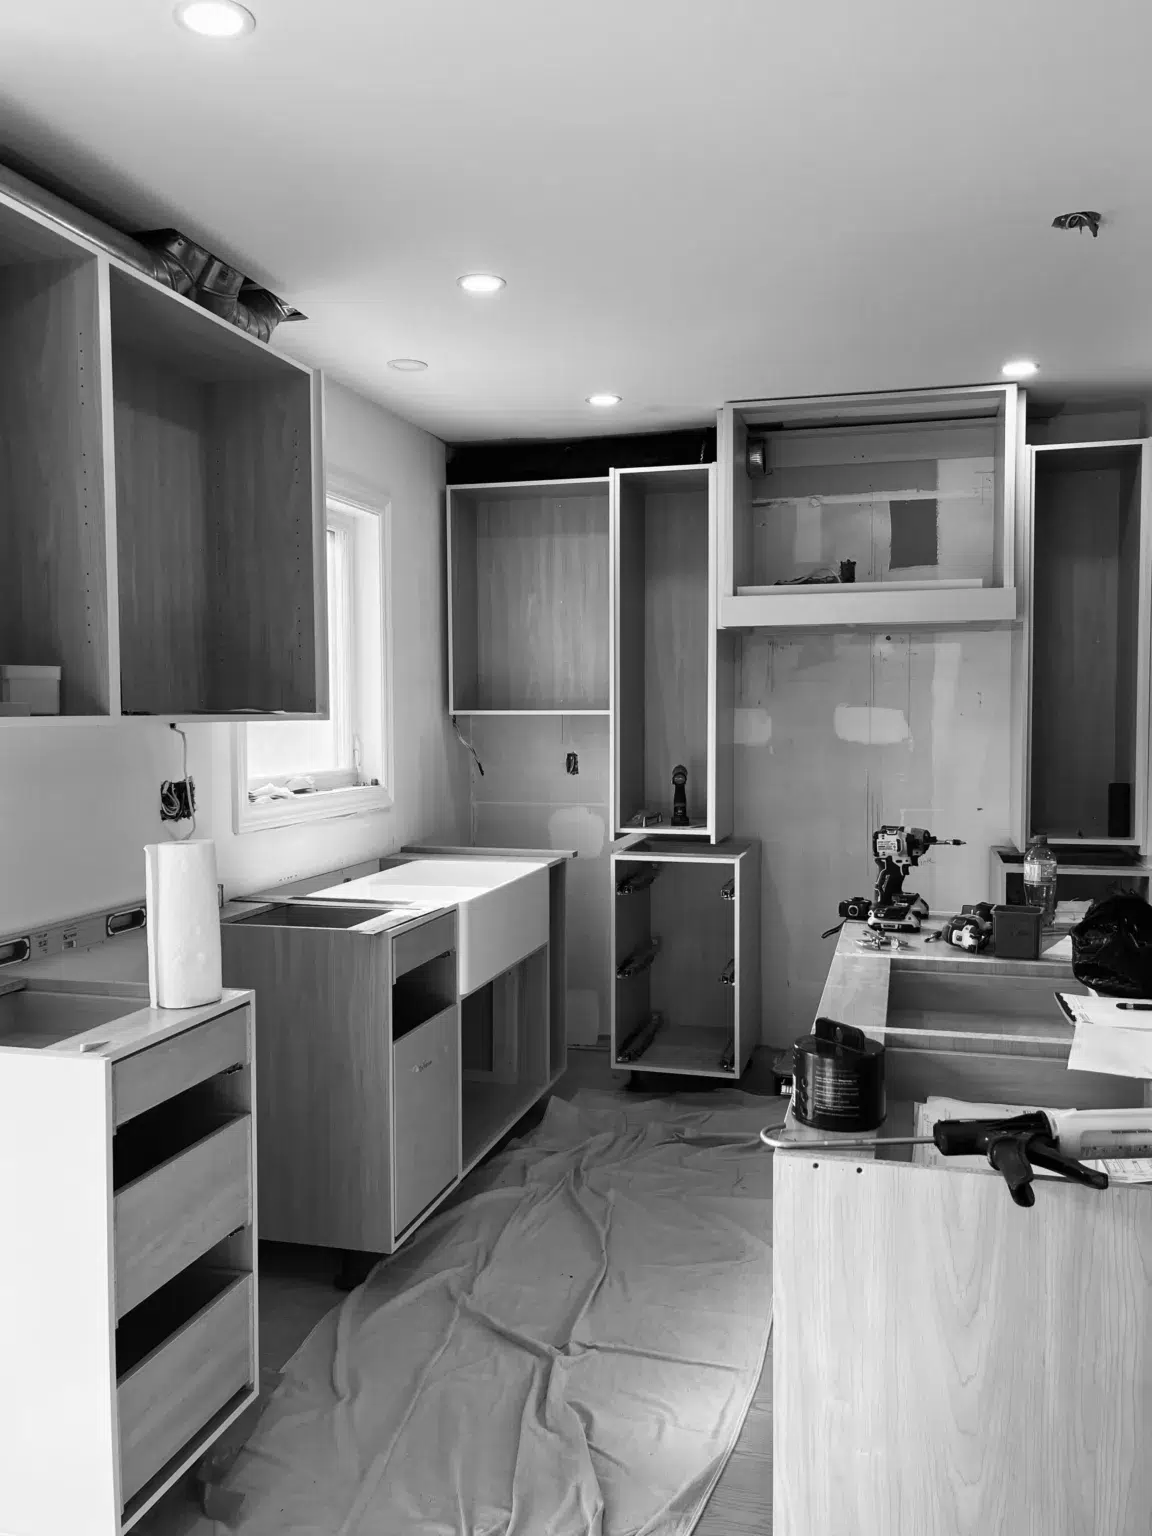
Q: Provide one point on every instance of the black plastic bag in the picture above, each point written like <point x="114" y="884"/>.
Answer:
<point x="1112" y="946"/>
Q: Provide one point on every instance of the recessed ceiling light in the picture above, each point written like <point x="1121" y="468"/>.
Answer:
<point x="215" y="18"/>
<point x="407" y="364"/>
<point x="481" y="282"/>
<point x="1020" y="369"/>
<point x="603" y="400"/>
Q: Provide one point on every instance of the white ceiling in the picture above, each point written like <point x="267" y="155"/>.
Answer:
<point x="691" y="200"/>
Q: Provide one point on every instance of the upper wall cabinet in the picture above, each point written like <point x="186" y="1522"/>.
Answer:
<point x="885" y="510"/>
<point x="161" y="495"/>
<point x="529" y="613"/>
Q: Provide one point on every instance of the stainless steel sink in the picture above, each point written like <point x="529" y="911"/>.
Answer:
<point x="33" y="1018"/>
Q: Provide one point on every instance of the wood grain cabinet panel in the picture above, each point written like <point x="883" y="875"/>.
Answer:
<point x="171" y="1216"/>
<point x="178" y="1387"/>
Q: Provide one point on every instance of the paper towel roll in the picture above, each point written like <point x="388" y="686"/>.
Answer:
<point x="183" y="924"/>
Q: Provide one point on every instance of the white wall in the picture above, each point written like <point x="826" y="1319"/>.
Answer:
<point x="78" y="802"/>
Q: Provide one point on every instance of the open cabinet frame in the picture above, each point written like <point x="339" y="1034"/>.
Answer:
<point x="1087" y="560"/>
<point x="673" y="696"/>
<point x="161" y="495"/>
<point x="742" y="603"/>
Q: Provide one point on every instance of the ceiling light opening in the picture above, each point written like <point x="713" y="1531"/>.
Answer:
<point x="1019" y="368"/>
<point x="481" y="282"/>
<point x="603" y="401"/>
<point x="407" y="364"/>
<point x="215" y="18"/>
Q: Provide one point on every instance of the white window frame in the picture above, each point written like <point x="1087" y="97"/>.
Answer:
<point x="369" y="680"/>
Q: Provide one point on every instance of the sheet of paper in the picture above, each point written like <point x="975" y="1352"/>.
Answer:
<point x="1112" y="1048"/>
<point x="1124" y="1170"/>
<point x="1107" y="1011"/>
<point x="1061" y="950"/>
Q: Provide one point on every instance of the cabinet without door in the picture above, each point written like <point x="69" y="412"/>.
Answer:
<point x="161" y="494"/>
<point x="673" y="697"/>
<point x="685" y="947"/>
<point x="1086" y="682"/>
<point x="528" y="598"/>
<point x="915" y="493"/>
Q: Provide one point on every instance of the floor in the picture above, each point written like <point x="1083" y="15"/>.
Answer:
<point x="297" y="1289"/>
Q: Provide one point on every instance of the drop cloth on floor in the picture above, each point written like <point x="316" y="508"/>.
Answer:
<point x="569" y="1352"/>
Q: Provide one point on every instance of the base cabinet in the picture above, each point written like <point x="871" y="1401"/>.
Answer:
<point x="685" y="950"/>
<point x="129" y="1288"/>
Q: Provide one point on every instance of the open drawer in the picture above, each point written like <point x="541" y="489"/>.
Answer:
<point x="182" y="1357"/>
<point x="169" y="1216"/>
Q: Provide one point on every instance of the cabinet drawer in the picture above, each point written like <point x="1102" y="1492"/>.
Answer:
<point x="168" y="1398"/>
<point x="169" y="1217"/>
<point x="142" y="1081"/>
<point x="426" y="1115"/>
<point x="435" y="937"/>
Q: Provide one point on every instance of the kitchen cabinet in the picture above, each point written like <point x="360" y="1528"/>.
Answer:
<point x="128" y="1207"/>
<point x="360" y="1024"/>
<point x="882" y="511"/>
<point x="685" y="949"/>
<point x="1082" y="692"/>
<point x="674" y="673"/>
<point x="161" y="495"/>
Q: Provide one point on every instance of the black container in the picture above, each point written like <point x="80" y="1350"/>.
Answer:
<point x="1016" y="932"/>
<point x="838" y="1079"/>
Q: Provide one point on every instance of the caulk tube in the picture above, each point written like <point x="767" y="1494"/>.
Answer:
<point x="1089" y="1133"/>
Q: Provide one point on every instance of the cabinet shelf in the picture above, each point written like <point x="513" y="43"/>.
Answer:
<point x="849" y="607"/>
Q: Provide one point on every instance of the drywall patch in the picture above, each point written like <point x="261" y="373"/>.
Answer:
<point x="871" y="725"/>
<point x="752" y="727"/>
<point x="577" y="827"/>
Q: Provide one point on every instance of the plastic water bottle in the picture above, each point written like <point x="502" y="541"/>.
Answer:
<point x="1040" y="877"/>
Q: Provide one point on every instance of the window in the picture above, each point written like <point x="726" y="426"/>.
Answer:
<point x="299" y="770"/>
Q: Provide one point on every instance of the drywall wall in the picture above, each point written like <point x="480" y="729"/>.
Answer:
<point x="837" y="734"/>
<point x="78" y="802"/>
<point x="526" y="798"/>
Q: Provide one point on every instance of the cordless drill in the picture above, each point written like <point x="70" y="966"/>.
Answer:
<point x="896" y="850"/>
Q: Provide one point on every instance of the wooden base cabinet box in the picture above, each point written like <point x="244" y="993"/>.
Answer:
<point x="128" y="1289"/>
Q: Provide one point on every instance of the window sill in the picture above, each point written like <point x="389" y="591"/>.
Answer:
<point x="323" y="805"/>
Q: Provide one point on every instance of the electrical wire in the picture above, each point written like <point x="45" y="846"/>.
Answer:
<point x="170" y="802"/>
<point x="468" y="745"/>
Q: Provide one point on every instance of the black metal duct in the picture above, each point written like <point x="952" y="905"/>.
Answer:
<point x="165" y="255"/>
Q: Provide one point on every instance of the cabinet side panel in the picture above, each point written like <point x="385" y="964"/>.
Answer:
<point x="262" y="632"/>
<point x="748" y="919"/>
<point x="57" y="1385"/>
<point x="463" y="686"/>
<point x="630" y="638"/>
<point x="323" y="1066"/>
<point x="927" y="1299"/>
<point x="53" y="565"/>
